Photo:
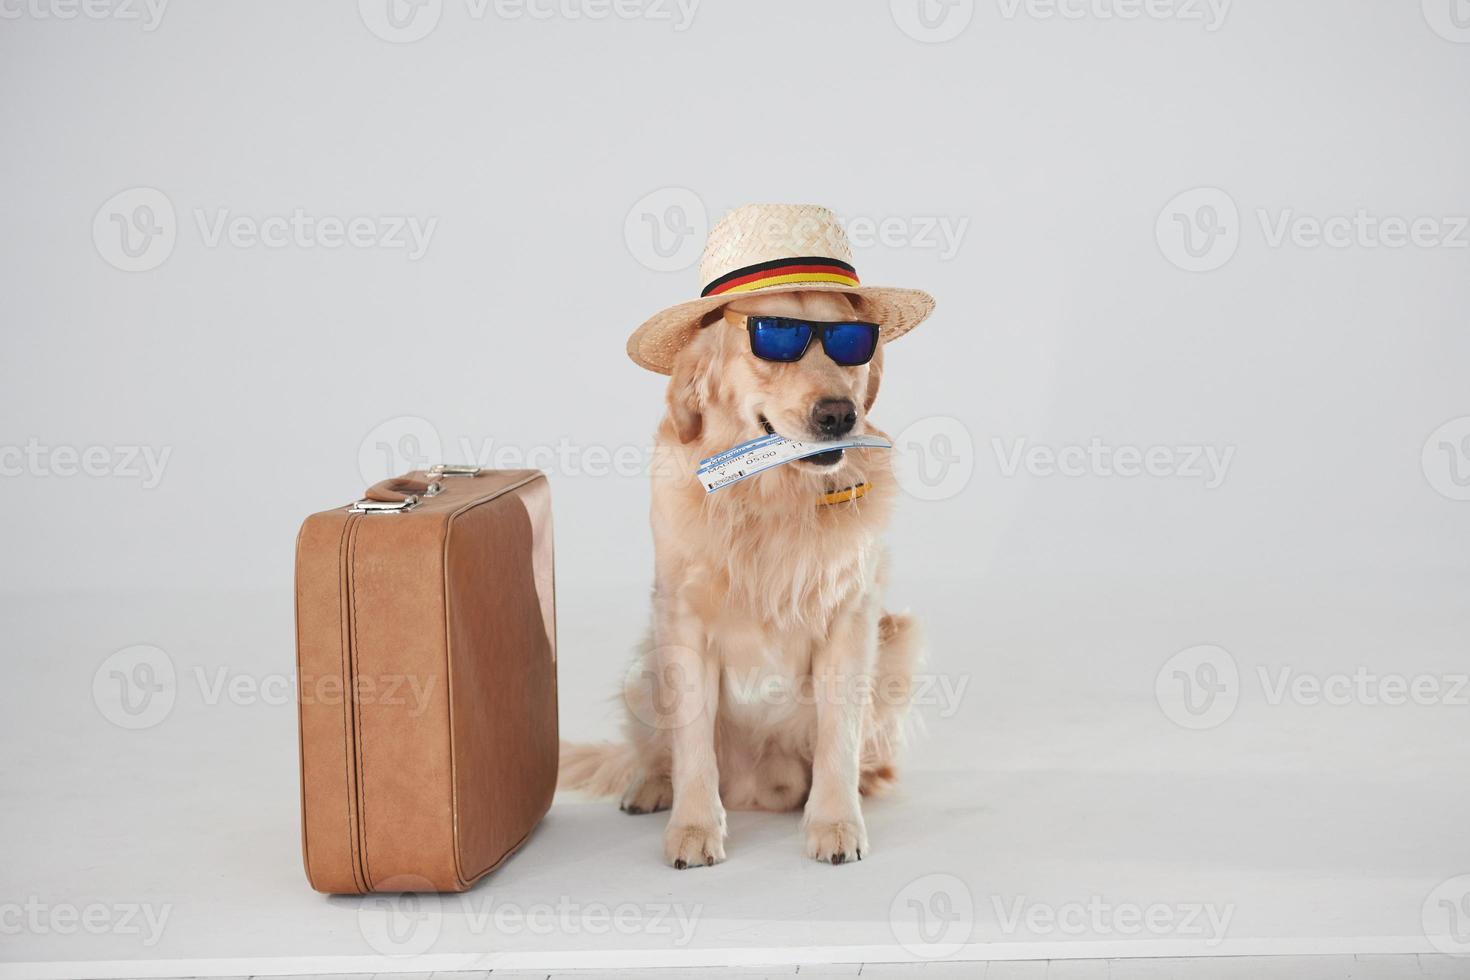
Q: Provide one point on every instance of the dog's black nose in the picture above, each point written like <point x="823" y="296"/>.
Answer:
<point x="834" y="418"/>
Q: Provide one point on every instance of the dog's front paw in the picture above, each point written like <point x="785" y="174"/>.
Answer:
<point x="691" y="845"/>
<point x="648" y="794"/>
<point x="836" y="841"/>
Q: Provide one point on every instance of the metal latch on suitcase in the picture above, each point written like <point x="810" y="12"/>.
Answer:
<point x="452" y="469"/>
<point x="383" y="506"/>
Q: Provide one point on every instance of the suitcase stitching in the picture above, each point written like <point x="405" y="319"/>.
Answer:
<point x="349" y="734"/>
<point x="357" y="729"/>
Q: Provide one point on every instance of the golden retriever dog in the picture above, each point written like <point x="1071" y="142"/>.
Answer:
<point x="772" y="678"/>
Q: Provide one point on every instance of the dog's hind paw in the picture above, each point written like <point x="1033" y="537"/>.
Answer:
<point x="689" y="846"/>
<point x="836" y="841"/>
<point x="648" y="795"/>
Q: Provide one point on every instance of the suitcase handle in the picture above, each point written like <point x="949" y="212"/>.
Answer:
<point x="400" y="488"/>
<point x="394" y="496"/>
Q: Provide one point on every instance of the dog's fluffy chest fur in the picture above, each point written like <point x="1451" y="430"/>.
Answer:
<point x="766" y="550"/>
<point x="796" y="576"/>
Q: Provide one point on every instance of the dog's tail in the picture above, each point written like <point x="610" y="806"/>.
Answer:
<point x="604" y="769"/>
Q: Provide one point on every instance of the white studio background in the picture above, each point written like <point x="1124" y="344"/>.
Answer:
<point x="1115" y="212"/>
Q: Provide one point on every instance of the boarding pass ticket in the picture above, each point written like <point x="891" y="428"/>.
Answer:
<point x="757" y="455"/>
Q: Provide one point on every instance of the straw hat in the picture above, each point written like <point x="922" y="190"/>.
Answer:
<point x="773" y="248"/>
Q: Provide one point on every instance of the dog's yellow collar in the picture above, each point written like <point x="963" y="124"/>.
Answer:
<point x="843" y="495"/>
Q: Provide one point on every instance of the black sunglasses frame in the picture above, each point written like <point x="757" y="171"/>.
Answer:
<point x="818" y="328"/>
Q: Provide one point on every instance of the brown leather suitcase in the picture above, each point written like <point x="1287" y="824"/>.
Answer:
<point x="426" y="668"/>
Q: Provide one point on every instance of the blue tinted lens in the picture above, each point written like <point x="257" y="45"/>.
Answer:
<point x="850" y="344"/>
<point x="776" y="339"/>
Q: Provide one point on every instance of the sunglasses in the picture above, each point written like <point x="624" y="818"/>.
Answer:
<point x="781" y="338"/>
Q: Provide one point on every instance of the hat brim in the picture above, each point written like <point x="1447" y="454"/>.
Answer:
<point x="655" y="344"/>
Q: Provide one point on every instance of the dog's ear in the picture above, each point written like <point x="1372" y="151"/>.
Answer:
<point x="875" y="375"/>
<point x="686" y="394"/>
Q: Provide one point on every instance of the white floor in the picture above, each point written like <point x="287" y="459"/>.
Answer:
<point x="1216" y="968"/>
<point x="1051" y="812"/>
